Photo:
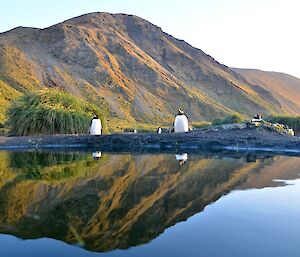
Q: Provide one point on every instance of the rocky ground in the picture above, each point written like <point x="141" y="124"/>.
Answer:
<point x="230" y="137"/>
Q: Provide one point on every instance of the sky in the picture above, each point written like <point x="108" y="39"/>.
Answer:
<point x="261" y="34"/>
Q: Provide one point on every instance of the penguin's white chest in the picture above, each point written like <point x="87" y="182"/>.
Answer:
<point x="181" y="124"/>
<point x="96" y="127"/>
<point x="181" y="157"/>
<point x="97" y="155"/>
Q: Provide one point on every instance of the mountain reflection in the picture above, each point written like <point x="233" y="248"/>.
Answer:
<point x="118" y="201"/>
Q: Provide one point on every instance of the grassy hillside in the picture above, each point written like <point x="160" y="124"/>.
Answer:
<point x="7" y="94"/>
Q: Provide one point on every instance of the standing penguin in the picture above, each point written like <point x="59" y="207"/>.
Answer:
<point x="97" y="155"/>
<point x="181" y="158"/>
<point x="181" y="123"/>
<point x="96" y="128"/>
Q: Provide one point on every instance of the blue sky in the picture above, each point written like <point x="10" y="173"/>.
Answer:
<point x="239" y="33"/>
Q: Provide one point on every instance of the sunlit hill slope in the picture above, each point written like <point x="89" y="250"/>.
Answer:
<point x="129" y="67"/>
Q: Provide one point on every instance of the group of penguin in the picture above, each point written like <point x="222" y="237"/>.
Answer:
<point x="181" y="124"/>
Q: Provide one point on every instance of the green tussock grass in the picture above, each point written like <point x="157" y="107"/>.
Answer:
<point x="50" y="112"/>
<point x="234" y="118"/>
<point x="290" y="121"/>
<point x="200" y="124"/>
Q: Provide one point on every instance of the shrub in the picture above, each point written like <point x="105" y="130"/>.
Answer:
<point x="228" y="120"/>
<point x="49" y="112"/>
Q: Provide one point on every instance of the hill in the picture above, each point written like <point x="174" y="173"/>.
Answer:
<point x="134" y="71"/>
<point x="285" y="88"/>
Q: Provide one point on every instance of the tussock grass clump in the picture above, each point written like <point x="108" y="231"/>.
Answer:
<point x="234" y="118"/>
<point x="290" y="121"/>
<point x="201" y="124"/>
<point x="49" y="112"/>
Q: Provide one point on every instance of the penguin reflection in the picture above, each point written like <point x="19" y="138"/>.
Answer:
<point x="181" y="158"/>
<point x="97" y="155"/>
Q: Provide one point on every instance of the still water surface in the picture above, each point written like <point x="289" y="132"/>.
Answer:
<point x="84" y="204"/>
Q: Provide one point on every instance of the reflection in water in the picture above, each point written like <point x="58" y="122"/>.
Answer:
<point x="120" y="200"/>
<point x="49" y="166"/>
<point x="181" y="158"/>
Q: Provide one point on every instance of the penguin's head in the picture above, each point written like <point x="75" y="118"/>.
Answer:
<point x="180" y="112"/>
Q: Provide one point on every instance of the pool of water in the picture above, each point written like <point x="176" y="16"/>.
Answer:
<point x="104" y="204"/>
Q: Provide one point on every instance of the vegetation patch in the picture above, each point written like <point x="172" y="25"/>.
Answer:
<point x="201" y="124"/>
<point x="50" y="112"/>
<point x="7" y="94"/>
<point x="228" y="120"/>
<point x="290" y="121"/>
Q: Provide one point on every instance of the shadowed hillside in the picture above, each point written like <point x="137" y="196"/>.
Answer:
<point x="129" y="67"/>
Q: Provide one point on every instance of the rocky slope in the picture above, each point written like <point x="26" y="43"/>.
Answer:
<point x="128" y="66"/>
<point x="285" y="88"/>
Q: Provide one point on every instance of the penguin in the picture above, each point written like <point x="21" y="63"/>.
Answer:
<point x="257" y="118"/>
<point x="97" y="155"/>
<point x="181" y="158"/>
<point x="159" y="130"/>
<point x="96" y="127"/>
<point x="181" y="123"/>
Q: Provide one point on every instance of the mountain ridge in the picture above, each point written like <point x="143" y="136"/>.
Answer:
<point x="134" y="71"/>
<point x="284" y="87"/>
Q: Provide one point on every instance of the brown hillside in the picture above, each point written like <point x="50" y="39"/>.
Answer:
<point x="128" y="66"/>
<point x="285" y="88"/>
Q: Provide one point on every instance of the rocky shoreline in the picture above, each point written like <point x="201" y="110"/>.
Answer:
<point x="234" y="138"/>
